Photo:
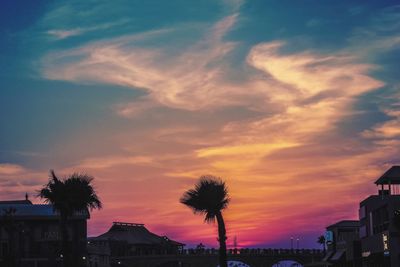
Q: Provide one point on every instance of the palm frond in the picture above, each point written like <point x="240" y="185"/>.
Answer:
<point x="72" y="194"/>
<point x="321" y="239"/>
<point x="209" y="197"/>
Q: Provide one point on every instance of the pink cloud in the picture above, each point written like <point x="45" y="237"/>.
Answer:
<point x="282" y="155"/>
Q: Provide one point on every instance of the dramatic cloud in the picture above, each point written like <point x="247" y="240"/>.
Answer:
<point x="187" y="80"/>
<point x="269" y="158"/>
<point x="269" y="102"/>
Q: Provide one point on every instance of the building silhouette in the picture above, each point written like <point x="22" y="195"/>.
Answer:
<point x="29" y="234"/>
<point x="378" y="232"/>
<point x="129" y="239"/>
<point x="378" y="240"/>
<point x="343" y="244"/>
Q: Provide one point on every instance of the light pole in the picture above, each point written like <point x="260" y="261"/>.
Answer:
<point x="298" y="240"/>
<point x="291" y="243"/>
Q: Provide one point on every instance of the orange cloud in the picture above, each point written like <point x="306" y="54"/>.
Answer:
<point x="10" y="169"/>
<point x="16" y="180"/>
<point x="273" y="135"/>
<point x="171" y="81"/>
<point x="387" y="130"/>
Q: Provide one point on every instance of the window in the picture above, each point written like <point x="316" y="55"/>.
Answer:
<point x="363" y="231"/>
<point x="380" y="219"/>
<point x="361" y="212"/>
<point x="3" y="249"/>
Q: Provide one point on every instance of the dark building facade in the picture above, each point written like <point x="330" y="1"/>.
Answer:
<point x="129" y="239"/>
<point x="343" y="244"/>
<point x="380" y="239"/>
<point x="374" y="240"/>
<point x="29" y="234"/>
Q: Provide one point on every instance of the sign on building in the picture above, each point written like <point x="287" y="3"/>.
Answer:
<point x="328" y="237"/>
<point x="385" y="240"/>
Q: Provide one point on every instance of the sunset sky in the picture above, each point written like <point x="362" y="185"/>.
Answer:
<point x="295" y="104"/>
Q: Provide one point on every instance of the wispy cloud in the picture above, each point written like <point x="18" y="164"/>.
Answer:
<point x="173" y="81"/>
<point x="60" y="34"/>
<point x="16" y="180"/>
<point x="242" y="150"/>
<point x="233" y="6"/>
<point x="388" y="130"/>
<point x="10" y="169"/>
<point x="270" y="122"/>
<point x="381" y="34"/>
<point x="108" y="162"/>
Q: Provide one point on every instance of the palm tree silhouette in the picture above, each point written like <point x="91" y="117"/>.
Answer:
<point x="321" y="241"/>
<point x="210" y="197"/>
<point x="68" y="196"/>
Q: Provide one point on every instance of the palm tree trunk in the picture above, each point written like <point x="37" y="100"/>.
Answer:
<point x="64" y="241"/>
<point x="222" y="240"/>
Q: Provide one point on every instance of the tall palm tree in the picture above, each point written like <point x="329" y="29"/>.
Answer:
<point x="68" y="196"/>
<point x="210" y="197"/>
<point x="321" y="241"/>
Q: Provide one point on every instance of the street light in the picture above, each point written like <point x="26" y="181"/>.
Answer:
<point x="298" y="239"/>
<point x="291" y="243"/>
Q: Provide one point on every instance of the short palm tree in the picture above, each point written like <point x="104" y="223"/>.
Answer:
<point x="321" y="241"/>
<point x="210" y="197"/>
<point x="68" y="196"/>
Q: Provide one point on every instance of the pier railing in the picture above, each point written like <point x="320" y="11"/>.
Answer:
<point x="253" y="251"/>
